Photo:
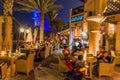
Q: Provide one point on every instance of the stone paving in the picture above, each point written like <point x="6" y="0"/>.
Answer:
<point x="48" y="70"/>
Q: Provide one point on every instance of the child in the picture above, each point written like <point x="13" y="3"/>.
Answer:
<point x="81" y="64"/>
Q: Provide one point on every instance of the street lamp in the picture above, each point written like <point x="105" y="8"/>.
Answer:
<point x="27" y="31"/>
<point x="21" y="29"/>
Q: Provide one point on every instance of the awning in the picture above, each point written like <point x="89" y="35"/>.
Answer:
<point x="64" y="32"/>
<point x="112" y="8"/>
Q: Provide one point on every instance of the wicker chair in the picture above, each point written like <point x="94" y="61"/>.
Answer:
<point x="117" y="60"/>
<point x="117" y="57"/>
<point x="22" y="65"/>
<point x="107" y="69"/>
<point x="4" y="68"/>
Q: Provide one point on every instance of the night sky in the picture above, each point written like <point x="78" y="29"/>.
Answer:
<point x="68" y="4"/>
<point x="26" y="18"/>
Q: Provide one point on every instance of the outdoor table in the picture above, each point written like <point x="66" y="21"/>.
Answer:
<point x="12" y="59"/>
<point x="90" y="61"/>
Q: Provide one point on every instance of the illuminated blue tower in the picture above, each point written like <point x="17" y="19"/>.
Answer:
<point x="36" y="17"/>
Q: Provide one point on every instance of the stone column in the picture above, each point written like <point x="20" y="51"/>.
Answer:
<point x="71" y="38"/>
<point x="1" y="39"/>
<point x="117" y="17"/>
<point x="94" y="37"/>
<point x="118" y="36"/>
<point x="71" y="35"/>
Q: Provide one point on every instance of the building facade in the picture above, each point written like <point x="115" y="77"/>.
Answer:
<point x="76" y="24"/>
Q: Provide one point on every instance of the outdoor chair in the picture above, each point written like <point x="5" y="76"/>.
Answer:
<point x="107" y="69"/>
<point x="25" y="65"/>
<point x="26" y="51"/>
<point x="117" y="60"/>
<point x="3" y="68"/>
<point x="117" y="57"/>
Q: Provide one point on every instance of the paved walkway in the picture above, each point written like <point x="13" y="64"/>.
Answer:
<point x="49" y="71"/>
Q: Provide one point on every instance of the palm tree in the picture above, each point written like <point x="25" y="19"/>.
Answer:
<point x="55" y="23"/>
<point x="7" y="11"/>
<point x="59" y="25"/>
<point x="42" y="6"/>
<point x="1" y="38"/>
<point x="52" y="16"/>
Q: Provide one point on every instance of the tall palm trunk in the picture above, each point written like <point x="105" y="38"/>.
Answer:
<point x="8" y="5"/>
<point x="41" y="26"/>
<point x="1" y="38"/>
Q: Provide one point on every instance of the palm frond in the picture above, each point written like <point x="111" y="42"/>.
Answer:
<point x="33" y="3"/>
<point x="55" y="15"/>
<point x="30" y="4"/>
<point x="23" y="9"/>
<point x="58" y="24"/>
<point x="52" y="15"/>
<point x="55" y="7"/>
<point x="50" y="2"/>
<point x="25" y="3"/>
<point x="42" y="3"/>
<point x="38" y="3"/>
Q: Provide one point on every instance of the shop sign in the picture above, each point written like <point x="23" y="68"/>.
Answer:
<point x="77" y="18"/>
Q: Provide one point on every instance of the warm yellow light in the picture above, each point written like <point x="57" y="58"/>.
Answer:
<point x="97" y="18"/>
<point x="85" y="55"/>
<point x="36" y="46"/>
<point x="27" y="31"/>
<point x="3" y="53"/>
<point x="95" y="31"/>
<point x="115" y="0"/>
<point x="21" y="29"/>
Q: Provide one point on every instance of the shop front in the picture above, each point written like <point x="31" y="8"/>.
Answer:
<point x="78" y="34"/>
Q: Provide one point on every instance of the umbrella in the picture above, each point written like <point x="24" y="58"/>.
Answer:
<point x="29" y="36"/>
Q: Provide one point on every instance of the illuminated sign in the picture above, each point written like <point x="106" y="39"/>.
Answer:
<point x="77" y="18"/>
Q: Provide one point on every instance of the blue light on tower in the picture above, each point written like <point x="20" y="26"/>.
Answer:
<point x="36" y="17"/>
<point x="36" y="14"/>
